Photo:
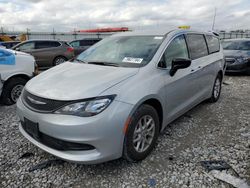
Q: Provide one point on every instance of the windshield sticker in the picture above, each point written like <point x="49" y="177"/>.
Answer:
<point x="158" y="38"/>
<point x="132" y="60"/>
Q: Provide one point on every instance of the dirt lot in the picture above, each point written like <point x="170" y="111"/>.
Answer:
<point x="208" y="132"/>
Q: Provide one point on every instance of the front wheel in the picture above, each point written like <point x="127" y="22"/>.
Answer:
<point x="12" y="90"/>
<point x="216" y="89"/>
<point x="142" y="134"/>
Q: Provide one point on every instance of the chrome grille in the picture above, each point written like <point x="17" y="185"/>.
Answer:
<point x="40" y="104"/>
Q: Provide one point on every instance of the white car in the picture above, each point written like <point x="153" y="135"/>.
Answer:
<point x="16" y="68"/>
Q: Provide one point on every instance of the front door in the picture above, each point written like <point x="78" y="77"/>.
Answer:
<point x="180" y="89"/>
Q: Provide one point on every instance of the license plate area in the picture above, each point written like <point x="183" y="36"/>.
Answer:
<point x="32" y="128"/>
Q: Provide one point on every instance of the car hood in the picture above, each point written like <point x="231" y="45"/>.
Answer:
<point x="72" y="81"/>
<point x="236" y="53"/>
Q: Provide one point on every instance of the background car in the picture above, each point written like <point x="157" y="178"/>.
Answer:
<point x="47" y="52"/>
<point x="83" y="44"/>
<point x="237" y="55"/>
<point x="9" y="44"/>
<point x="16" y="68"/>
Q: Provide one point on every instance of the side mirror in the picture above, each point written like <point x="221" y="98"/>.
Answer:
<point x="17" y="49"/>
<point x="179" y="63"/>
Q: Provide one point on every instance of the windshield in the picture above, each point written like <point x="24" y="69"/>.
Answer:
<point x="236" y="45"/>
<point x="128" y="51"/>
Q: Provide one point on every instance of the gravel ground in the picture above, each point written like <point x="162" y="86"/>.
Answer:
<point x="219" y="131"/>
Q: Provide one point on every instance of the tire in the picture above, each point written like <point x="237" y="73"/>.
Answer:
<point x="59" y="60"/>
<point x="12" y="90"/>
<point x="216" y="89"/>
<point x="131" y="151"/>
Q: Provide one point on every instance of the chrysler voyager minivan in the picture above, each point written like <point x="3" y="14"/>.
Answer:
<point x="115" y="98"/>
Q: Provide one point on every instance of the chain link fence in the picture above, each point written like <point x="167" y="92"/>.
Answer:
<point x="64" y="36"/>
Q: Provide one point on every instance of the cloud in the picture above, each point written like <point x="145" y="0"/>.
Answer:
<point x="65" y="15"/>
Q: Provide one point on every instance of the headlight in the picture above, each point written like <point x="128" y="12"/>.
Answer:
<point x="242" y="59"/>
<point x="87" y="108"/>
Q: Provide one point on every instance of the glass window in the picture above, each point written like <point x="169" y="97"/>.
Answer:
<point x="27" y="46"/>
<point x="244" y="45"/>
<point x="46" y="44"/>
<point x="213" y="44"/>
<point x="75" y="44"/>
<point x="236" y="45"/>
<point x="176" y="49"/>
<point x="87" y="42"/>
<point x="130" y="51"/>
<point x="197" y="45"/>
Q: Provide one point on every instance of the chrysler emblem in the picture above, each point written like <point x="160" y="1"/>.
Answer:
<point x="35" y="101"/>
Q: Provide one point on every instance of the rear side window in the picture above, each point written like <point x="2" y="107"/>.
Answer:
<point x="47" y="44"/>
<point x="75" y="43"/>
<point x="176" y="49"/>
<point x="197" y="45"/>
<point x="87" y="42"/>
<point x="213" y="44"/>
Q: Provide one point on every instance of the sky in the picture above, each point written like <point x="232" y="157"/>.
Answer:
<point x="68" y="15"/>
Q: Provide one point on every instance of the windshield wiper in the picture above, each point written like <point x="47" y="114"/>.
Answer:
<point x="79" y="60"/>
<point x="104" y="63"/>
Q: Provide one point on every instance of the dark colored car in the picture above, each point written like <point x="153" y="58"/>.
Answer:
<point x="47" y="53"/>
<point x="83" y="44"/>
<point x="237" y="55"/>
<point x="9" y="44"/>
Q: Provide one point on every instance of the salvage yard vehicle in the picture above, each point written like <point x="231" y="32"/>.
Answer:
<point x="9" y="44"/>
<point x="115" y="98"/>
<point x="237" y="55"/>
<point x="47" y="53"/>
<point x="83" y="44"/>
<point x="16" y="68"/>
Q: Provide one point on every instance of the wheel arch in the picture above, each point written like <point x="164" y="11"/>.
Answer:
<point x="153" y="101"/>
<point x="20" y="75"/>
<point x="221" y="74"/>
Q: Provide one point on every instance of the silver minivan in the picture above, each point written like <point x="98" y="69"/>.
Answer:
<point x="115" y="98"/>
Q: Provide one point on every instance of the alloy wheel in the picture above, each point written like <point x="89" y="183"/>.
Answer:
<point x="144" y="133"/>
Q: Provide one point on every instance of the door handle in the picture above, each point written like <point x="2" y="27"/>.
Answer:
<point x="196" y="69"/>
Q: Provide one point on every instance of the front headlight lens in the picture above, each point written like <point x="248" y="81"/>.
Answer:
<point x="86" y="108"/>
<point x="242" y="59"/>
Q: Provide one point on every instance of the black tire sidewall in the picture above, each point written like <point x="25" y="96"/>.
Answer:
<point x="129" y="151"/>
<point x="213" y="98"/>
<point x="7" y="89"/>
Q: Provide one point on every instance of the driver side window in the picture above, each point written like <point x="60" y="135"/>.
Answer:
<point x="176" y="49"/>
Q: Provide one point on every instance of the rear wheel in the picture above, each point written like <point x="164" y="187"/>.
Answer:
<point x="216" y="89"/>
<point x="59" y="60"/>
<point x="142" y="134"/>
<point x="12" y="90"/>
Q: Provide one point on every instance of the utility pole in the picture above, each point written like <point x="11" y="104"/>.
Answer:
<point x="2" y="31"/>
<point x="215" y="10"/>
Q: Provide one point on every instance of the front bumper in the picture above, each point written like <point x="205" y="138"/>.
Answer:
<point x="104" y="132"/>
<point x="238" y="67"/>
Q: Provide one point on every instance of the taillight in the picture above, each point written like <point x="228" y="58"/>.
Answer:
<point x="70" y="49"/>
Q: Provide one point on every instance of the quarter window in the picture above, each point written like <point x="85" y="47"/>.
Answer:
<point x="197" y="45"/>
<point x="75" y="43"/>
<point x="176" y="49"/>
<point x="213" y="44"/>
